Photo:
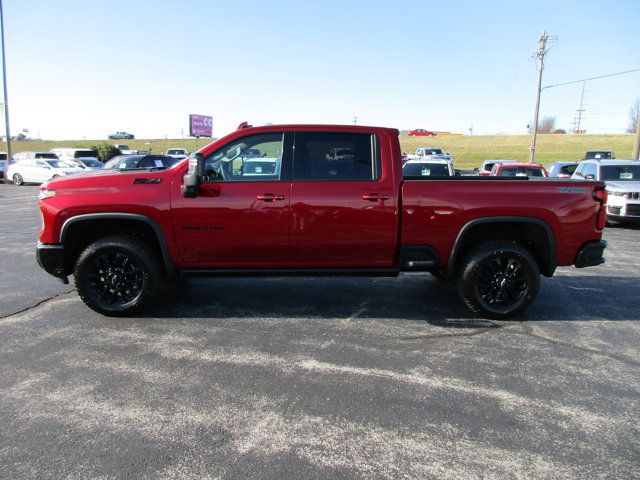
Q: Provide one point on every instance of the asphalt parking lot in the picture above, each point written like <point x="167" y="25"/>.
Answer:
<point x="317" y="378"/>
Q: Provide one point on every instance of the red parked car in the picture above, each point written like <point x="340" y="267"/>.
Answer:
<point x="297" y="210"/>
<point x="518" y="170"/>
<point x="421" y="132"/>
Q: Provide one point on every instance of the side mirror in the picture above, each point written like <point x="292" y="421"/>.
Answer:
<point x="590" y="177"/>
<point x="193" y="177"/>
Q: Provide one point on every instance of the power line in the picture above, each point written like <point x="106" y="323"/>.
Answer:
<point x="592" y="78"/>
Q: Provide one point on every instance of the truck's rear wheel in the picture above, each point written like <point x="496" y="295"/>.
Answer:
<point x="117" y="275"/>
<point x="499" y="280"/>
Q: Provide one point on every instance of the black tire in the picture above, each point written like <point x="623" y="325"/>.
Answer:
<point x="499" y="280"/>
<point x="17" y="179"/>
<point x="117" y="275"/>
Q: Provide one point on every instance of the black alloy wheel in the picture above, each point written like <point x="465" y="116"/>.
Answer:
<point x="115" y="278"/>
<point x="499" y="280"/>
<point x="117" y="275"/>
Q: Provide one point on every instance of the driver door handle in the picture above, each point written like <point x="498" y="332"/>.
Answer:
<point x="270" y="197"/>
<point x="372" y="197"/>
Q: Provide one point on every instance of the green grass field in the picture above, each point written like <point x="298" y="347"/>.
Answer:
<point x="468" y="151"/>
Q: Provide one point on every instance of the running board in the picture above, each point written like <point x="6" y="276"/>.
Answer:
<point x="294" y="272"/>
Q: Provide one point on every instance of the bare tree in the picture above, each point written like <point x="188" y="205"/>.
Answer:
<point x="547" y="125"/>
<point x="634" y="111"/>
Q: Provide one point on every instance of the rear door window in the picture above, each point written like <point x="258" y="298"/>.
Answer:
<point x="335" y="157"/>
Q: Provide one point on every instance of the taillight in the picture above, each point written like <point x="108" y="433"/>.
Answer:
<point x="600" y="195"/>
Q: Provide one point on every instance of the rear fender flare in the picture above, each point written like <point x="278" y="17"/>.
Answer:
<point x="546" y="270"/>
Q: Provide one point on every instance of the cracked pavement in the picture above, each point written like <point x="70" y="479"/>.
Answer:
<point x="317" y="378"/>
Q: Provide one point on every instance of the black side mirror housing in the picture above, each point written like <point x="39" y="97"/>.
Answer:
<point x="193" y="177"/>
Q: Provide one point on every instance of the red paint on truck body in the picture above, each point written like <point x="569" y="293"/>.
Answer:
<point x="309" y="224"/>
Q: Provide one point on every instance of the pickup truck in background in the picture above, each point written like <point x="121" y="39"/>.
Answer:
<point x="306" y="212"/>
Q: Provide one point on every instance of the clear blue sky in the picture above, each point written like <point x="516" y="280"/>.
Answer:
<point x="82" y="68"/>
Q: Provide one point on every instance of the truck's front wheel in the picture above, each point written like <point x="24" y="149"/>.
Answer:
<point x="117" y="275"/>
<point x="499" y="280"/>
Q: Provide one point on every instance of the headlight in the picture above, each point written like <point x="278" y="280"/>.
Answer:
<point x="44" y="193"/>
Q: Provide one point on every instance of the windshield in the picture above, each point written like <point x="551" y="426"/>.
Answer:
<point x="425" y="170"/>
<point x="129" y="162"/>
<point x="57" y="164"/>
<point x="91" y="163"/>
<point x="121" y="162"/>
<point x="175" y="151"/>
<point x="46" y="155"/>
<point x="620" y="172"/>
<point x="521" y="172"/>
<point x="434" y="151"/>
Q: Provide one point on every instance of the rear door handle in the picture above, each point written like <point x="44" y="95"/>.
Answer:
<point x="374" y="197"/>
<point x="270" y="197"/>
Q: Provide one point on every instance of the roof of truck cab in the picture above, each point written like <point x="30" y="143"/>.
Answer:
<point x="319" y="127"/>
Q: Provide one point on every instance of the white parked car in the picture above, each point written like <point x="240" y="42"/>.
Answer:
<point x="622" y="178"/>
<point x="70" y="154"/>
<point x="38" y="170"/>
<point x="341" y="154"/>
<point x="34" y="155"/>
<point x="125" y="150"/>
<point x="433" y="152"/>
<point x="177" y="152"/>
<point x="487" y="166"/>
<point x="427" y="167"/>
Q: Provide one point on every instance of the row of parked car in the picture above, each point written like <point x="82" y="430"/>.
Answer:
<point x="38" y="167"/>
<point x="621" y="177"/>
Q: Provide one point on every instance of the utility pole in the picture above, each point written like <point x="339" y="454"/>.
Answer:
<point x="542" y="51"/>
<point x="4" y="78"/>
<point x="636" y="147"/>
<point x="355" y="120"/>
<point x="580" y="110"/>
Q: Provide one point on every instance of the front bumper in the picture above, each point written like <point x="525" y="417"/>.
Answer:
<point x="51" y="259"/>
<point x="591" y="254"/>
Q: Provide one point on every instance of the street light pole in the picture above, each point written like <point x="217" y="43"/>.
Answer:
<point x="4" y="79"/>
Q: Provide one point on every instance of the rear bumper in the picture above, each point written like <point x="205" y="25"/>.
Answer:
<point x="591" y="254"/>
<point x="51" y="259"/>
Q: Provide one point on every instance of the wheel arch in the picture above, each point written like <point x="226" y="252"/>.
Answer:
<point x="78" y="231"/>
<point x="532" y="233"/>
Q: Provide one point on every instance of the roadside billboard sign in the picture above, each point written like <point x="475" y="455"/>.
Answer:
<point x="200" y="126"/>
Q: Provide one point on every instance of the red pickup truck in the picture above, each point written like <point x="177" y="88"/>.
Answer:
<point x="274" y="201"/>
